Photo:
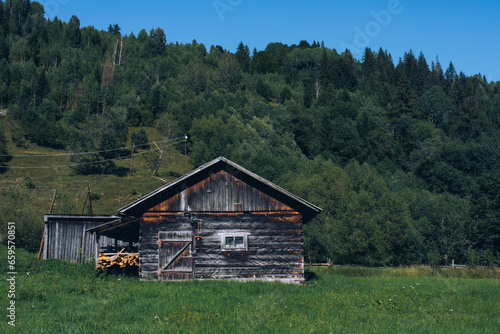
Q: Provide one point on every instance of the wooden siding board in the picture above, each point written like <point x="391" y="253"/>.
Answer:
<point x="217" y="272"/>
<point x="221" y="192"/>
<point x="215" y="248"/>
<point x="67" y="239"/>
<point x="275" y="245"/>
<point x="46" y="238"/>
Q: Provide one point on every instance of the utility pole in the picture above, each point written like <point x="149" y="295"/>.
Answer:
<point x="132" y="163"/>
<point x="89" y="198"/>
<point x="43" y="236"/>
<point x="186" y="152"/>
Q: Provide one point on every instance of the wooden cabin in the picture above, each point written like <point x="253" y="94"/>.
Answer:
<point x="218" y="221"/>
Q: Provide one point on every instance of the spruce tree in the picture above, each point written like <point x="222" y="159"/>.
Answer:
<point x="243" y="56"/>
<point x="451" y="74"/>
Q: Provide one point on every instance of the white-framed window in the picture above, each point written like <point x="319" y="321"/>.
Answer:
<point x="234" y="241"/>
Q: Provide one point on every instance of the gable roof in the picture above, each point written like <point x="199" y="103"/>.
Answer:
<point x="136" y="208"/>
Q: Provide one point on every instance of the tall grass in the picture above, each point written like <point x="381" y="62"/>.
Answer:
<point x="410" y="272"/>
<point x="57" y="297"/>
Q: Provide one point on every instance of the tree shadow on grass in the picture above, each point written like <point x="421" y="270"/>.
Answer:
<point x="121" y="171"/>
<point x="310" y="275"/>
<point x="3" y="161"/>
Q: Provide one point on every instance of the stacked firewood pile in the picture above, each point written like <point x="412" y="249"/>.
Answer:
<point x="119" y="260"/>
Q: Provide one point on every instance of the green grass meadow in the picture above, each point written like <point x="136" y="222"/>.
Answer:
<point x="53" y="296"/>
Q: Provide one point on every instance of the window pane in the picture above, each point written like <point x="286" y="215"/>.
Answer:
<point x="238" y="241"/>
<point x="229" y="241"/>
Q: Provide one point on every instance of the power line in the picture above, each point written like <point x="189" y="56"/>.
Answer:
<point x="87" y="163"/>
<point x="84" y="153"/>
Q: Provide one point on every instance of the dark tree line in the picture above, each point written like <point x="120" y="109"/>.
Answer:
<point x="403" y="156"/>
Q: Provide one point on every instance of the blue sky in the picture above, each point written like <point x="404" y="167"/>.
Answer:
<point x="465" y="32"/>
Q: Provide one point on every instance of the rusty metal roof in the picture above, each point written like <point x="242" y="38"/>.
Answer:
<point x="146" y="202"/>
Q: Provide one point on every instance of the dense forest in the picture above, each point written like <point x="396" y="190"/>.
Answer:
<point x="402" y="155"/>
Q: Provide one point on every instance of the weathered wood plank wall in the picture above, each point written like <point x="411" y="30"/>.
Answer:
<point x="221" y="192"/>
<point x="66" y="238"/>
<point x="275" y="246"/>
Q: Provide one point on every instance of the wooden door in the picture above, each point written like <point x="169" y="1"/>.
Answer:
<point x="175" y="255"/>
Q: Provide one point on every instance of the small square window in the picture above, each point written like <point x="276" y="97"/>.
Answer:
<point x="235" y="242"/>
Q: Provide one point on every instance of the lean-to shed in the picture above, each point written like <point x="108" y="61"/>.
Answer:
<point x="65" y="237"/>
<point x="218" y="221"/>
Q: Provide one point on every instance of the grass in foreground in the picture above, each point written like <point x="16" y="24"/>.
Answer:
<point x="58" y="297"/>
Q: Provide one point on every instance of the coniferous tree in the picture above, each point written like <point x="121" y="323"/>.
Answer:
<point x="157" y="42"/>
<point x="409" y="68"/>
<point x="243" y="56"/>
<point x="368" y="63"/>
<point x="451" y="74"/>
<point x="437" y="72"/>
<point x="406" y="99"/>
<point x="4" y="47"/>
<point x="324" y="67"/>
<point x="73" y="33"/>
<point x="114" y="29"/>
<point x="386" y="67"/>
<point x="3" y="20"/>
<point x="423" y="74"/>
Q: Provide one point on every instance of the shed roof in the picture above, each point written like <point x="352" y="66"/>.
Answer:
<point x="136" y="208"/>
<point x="126" y="229"/>
<point x="73" y="217"/>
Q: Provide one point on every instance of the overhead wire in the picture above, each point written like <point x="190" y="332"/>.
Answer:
<point x="91" y="162"/>
<point x="84" y="153"/>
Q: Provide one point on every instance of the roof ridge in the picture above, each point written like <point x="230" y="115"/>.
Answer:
<point x="234" y="169"/>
